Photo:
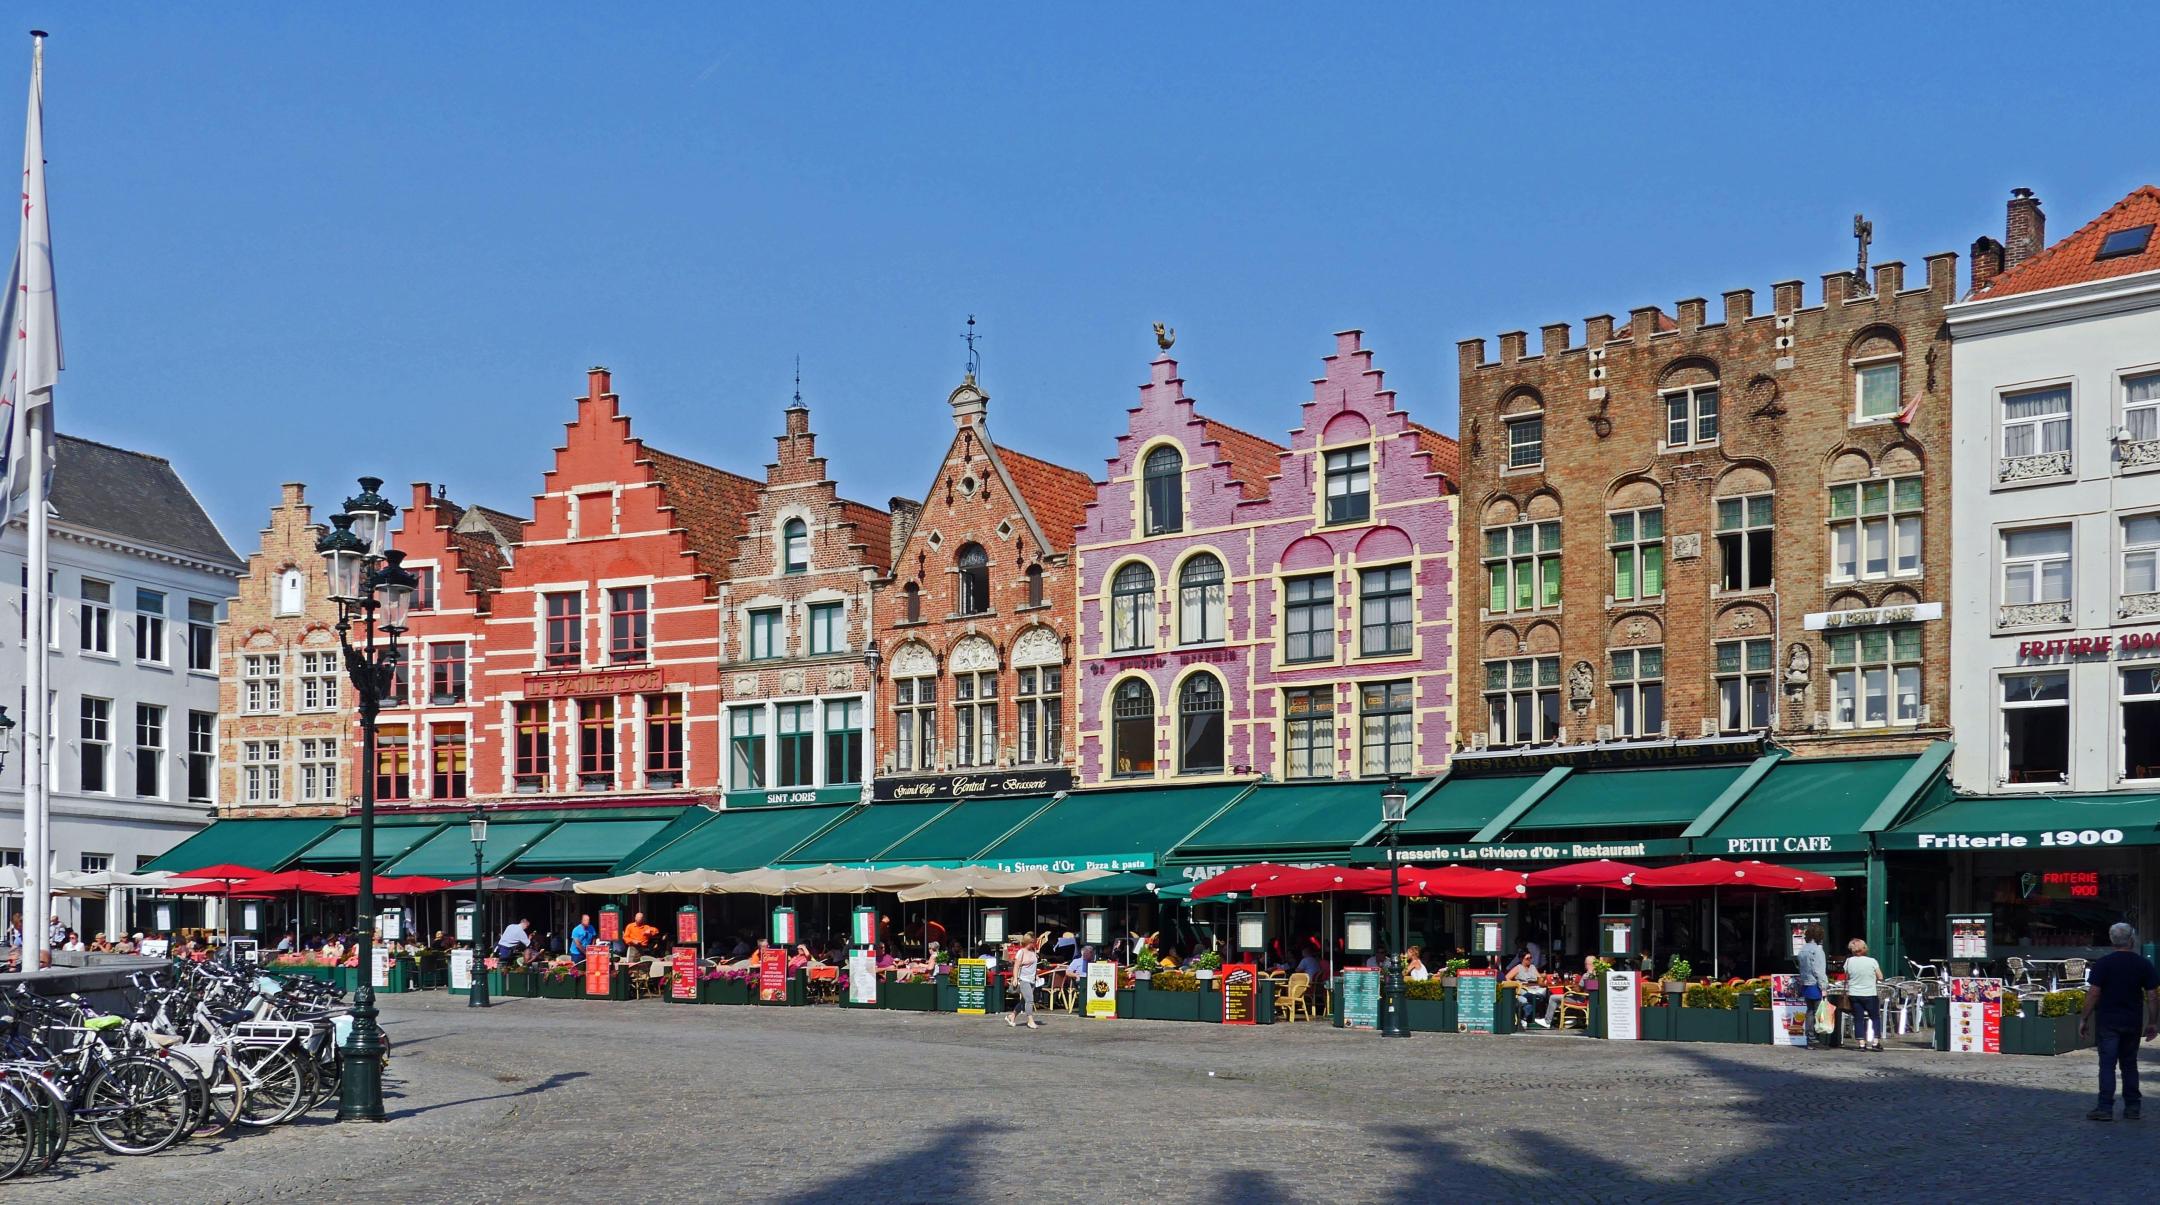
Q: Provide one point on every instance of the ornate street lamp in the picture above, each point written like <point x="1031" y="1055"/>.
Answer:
<point x="372" y="590"/>
<point x="1394" y="806"/>
<point x="477" y="997"/>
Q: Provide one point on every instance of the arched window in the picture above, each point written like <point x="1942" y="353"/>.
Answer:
<point x="1162" y="475"/>
<point x="1132" y="730"/>
<point x="1034" y="585"/>
<point x="1200" y="725"/>
<point x="1200" y="600"/>
<point x="292" y="592"/>
<point x="795" y="546"/>
<point x="1132" y="608"/>
<point x="911" y="602"/>
<point x="974" y="579"/>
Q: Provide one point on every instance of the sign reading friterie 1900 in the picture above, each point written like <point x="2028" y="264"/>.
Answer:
<point x="972" y="786"/>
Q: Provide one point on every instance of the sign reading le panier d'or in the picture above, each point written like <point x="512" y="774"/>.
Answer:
<point x="988" y="784"/>
<point x="592" y="682"/>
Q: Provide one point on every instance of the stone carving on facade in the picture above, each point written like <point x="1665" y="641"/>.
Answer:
<point x="913" y="661"/>
<point x="973" y="655"/>
<point x="745" y="685"/>
<point x="1798" y="661"/>
<point x="1581" y="684"/>
<point x="2139" y="454"/>
<point x="2018" y="615"/>
<point x="1687" y="546"/>
<point x="840" y="678"/>
<point x="2138" y="606"/>
<point x="1638" y="630"/>
<point x="1038" y="646"/>
<point x="792" y="682"/>
<point x="2033" y="468"/>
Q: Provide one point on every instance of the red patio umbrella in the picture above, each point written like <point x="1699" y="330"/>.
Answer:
<point x="392" y="884"/>
<point x="1239" y="879"/>
<point x="1320" y="880"/>
<point x="1454" y="882"/>
<point x="1603" y="873"/>
<point x="1717" y="873"/>
<point x="223" y="870"/>
<point x="1787" y="878"/>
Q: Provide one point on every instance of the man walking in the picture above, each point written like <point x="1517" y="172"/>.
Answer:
<point x="1814" y="977"/>
<point x="2122" y="996"/>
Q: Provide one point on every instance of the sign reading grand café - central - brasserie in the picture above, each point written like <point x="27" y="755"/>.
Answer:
<point x="986" y="784"/>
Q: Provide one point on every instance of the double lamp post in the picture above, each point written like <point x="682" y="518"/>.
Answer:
<point x="372" y="591"/>
<point x="1394" y="1017"/>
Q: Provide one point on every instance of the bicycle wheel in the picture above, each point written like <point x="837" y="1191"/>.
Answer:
<point x="51" y="1124"/>
<point x="277" y="1087"/>
<point x="18" y="1135"/>
<point x="217" y="1093"/>
<point x="135" y="1106"/>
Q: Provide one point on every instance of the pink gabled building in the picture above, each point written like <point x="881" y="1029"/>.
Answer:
<point x="1248" y="608"/>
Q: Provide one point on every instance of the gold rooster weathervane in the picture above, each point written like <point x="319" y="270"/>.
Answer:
<point x="1164" y="336"/>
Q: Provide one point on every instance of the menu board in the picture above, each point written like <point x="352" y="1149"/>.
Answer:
<point x="243" y="949"/>
<point x="1360" y="989"/>
<point x="1969" y="937"/>
<point x="1976" y="1016"/>
<point x="1476" y="992"/>
<point x="599" y="975"/>
<point x="1102" y="990"/>
<point x="684" y="985"/>
<point x="1619" y="935"/>
<point x="861" y="977"/>
<point x="379" y="966"/>
<point x="772" y="975"/>
<point x="462" y="927"/>
<point x="1623" y="1018"/>
<point x="1240" y="993"/>
<point x="1788" y="1023"/>
<point x="610" y="923"/>
<point x="389" y="926"/>
<point x="686" y="926"/>
<point x="461" y="970"/>
<point x="1487" y="934"/>
<point x="971" y="978"/>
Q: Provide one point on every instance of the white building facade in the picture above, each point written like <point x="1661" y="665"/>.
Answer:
<point x="139" y="580"/>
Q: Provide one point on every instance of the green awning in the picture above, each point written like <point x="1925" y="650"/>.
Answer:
<point x="586" y="844"/>
<point x="1277" y="819"/>
<point x="260" y="844"/>
<point x="1112" y="830"/>
<point x="1668" y="796"/>
<point x="964" y="831"/>
<point x="860" y="838"/>
<point x="1119" y="885"/>
<point x="342" y="846"/>
<point x="681" y="825"/>
<point x="449" y="853"/>
<point x="1806" y="806"/>
<point x="2051" y="821"/>
<point x="1459" y="807"/>
<point x="741" y="840"/>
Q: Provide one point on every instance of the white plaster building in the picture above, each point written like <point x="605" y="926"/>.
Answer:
<point x="139" y="579"/>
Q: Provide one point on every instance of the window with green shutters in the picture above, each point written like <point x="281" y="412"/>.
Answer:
<point x="1874" y="677"/>
<point x="1638" y="554"/>
<point x="1522" y="567"/>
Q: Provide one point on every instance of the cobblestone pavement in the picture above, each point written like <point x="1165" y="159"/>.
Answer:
<point x="561" y="1100"/>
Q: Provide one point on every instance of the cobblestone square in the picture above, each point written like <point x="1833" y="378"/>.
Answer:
<point x="539" y="1100"/>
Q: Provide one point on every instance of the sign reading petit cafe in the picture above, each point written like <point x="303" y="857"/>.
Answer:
<point x="2128" y="644"/>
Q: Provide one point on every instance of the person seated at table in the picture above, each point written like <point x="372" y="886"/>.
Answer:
<point x="1076" y="971"/>
<point x="637" y="935"/>
<point x="885" y="959"/>
<point x="1530" y="993"/>
<point x="1414" y="965"/>
<point x="1311" y="966"/>
<point x="800" y="959"/>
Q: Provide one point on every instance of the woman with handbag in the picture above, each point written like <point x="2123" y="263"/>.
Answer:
<point x="1023" y="981"/>
<point x="1814" y="977"/>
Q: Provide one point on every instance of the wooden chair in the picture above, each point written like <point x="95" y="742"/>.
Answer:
<point x="1575" y="1005"/>
<point x="1295" y="1001"/>
<point x="643" y="985"/>
<point x="2073" y="972"/>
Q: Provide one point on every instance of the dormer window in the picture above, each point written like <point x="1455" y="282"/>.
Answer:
<point x="795" y="546"/>
<point x="1163" y="480"/>
<point x="974" y="566"/>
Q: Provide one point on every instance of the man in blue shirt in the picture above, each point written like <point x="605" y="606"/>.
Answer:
<point x="2121" y="1001"/>
<point x="582" y="936"/>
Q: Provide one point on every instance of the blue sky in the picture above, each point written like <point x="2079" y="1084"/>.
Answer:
<point x="307" y="241"/>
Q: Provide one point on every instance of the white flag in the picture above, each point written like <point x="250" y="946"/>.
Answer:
<point x="30" y="315"/>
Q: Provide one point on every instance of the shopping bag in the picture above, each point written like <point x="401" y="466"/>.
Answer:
<point x="1825" y="1018"/>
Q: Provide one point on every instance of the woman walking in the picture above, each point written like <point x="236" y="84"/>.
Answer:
<point x="1863" y="984"/>
<point x="1023" y="982"/>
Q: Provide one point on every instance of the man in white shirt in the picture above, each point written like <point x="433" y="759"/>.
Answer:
<point x="513" y="939"/>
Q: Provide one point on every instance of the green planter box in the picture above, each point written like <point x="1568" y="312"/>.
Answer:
<point x="1938" y="1015"/>
<point x="1705" y="1024"/>
<point x="1660" y="1024"/>
<point x="1127" y="1005"/>
<point x="948" y="996"/>
<point x="1263" y="1003"/>
<point x="1152" y="1005"/>
<point x="2034" y="1034"/>
<point x="1430" y="1016"/>
<point x="725" y="991"/>
<point x="520" y="984"/>
<point x="618" y="987"/>
<point x="908" y="997"/>
<point x="798" y="993"/>
<point x="568" y="988"/>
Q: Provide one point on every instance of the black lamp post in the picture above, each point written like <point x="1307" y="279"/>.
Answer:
<point x="7" y="730"/>
<point x="1394" y="805"/>
<point x="478" y="996"/>
<point x="369" y="586"/>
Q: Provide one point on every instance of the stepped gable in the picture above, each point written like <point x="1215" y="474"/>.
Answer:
<point x="1446" y="453"/>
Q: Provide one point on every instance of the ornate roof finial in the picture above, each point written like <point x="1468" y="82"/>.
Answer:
<point x="974" y="361"/>
<point x="1165" y="336"/>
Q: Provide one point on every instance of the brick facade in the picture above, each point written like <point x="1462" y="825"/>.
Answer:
<point x="1161" y="641"/>
<point x="1019" y="514"/>
<point x="796" y="605"/>
<point x="1697" y="542"/>
<point x="280" y="619"/>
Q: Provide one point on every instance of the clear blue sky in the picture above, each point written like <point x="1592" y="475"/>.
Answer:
<point x="306" y="241"/>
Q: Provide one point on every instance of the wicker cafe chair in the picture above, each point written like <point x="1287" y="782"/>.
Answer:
<point x="1289" y="1004"/>
<point x="2073" y="972"/>
<point x="1576" y="1005"/>
<point x="642" y="984"/>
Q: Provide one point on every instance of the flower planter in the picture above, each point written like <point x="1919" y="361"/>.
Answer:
<point x="618" y="987"/>
<point x="1126" y="1004"/>
<point x="725" y="991"/>
<point x="1429" y="1016"/>
<point x="908" y="997"/>
<point x="566" y="987"/>
<point x="1152" y="1005"/>
<point x="1706" y="1025"/>
<point x="522" y="984"/>
<point x="948" y="995"/>
<point x="2028" y="1034"/>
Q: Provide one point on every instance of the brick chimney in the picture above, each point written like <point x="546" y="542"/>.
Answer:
<point x="798" y="421"/>
<point x="1987" y="261"/>
<point x="2024" y="230"/>
<point x="906" y="513"/>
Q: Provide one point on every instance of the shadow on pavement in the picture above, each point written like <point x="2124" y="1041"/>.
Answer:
<point x="549" y="1084"/>
<point x="941" y="1170"/>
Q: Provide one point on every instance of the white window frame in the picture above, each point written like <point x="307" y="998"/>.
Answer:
<point x="1856" y="679"/>
<point x="261" y="771"/>
<point x="1039" y="695"/>
<point x="150" y="641"/>
<point x="95" y="628"/>
<point x="1903" y="527"/>
<point x="1514" y="423"/>
<point x="2036" y="565"/>
<point x="2129" y="553"/>
<point x="2038" y="424"/>
<point x="975" y="719"/>
<point x="318" y="680"/>
<point x="1895" y="361"/>
<point x="262" y="683"/>
<point x="915" y="723"/>
<point x="2145" y="409"/>
<point x="1689" y="401"/>
<point x="318" y="763"/>
<point x="2002" y="709"/>
<point x="154" y="754"/>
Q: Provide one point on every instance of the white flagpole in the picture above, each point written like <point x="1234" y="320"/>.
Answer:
<point x="37" y="806"/>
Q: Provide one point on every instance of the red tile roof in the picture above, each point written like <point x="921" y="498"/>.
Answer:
<point x="2071" y="260"/>
<point x="711" y="505"/>
<point x="1057" y="496"/>
<point x="510" y="527"/>
<point x="1252" y="460"/>
<point x="873" y="529"/>
<point x="1446" y="453"/>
